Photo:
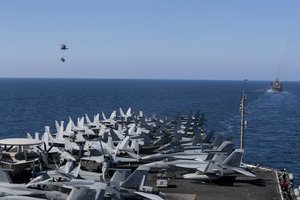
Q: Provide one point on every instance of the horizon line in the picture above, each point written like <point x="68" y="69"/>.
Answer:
<point x="163" y="79"/>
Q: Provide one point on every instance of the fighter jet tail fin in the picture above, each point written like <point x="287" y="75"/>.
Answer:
<point x="136" y="179"/>
<point x="234" y="159"/>
<point x="120" y="175"/>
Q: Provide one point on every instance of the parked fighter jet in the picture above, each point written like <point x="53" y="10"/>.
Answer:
<point x="111" y="120"/>
<point x="51" y="147"/>
<point x="59" y="140"/>
<point x="123" y="156"/>
<point x="185" y="164"/>
<point x="126" y="117"/>
<point x="81" y="128"/>
<point x="66" y="172"/>
<point x="213" y="170"/>
<point x="93" y="124"/>
<point x="8" y="188"/>
<point x="226" y="146"/>
<point x="119" y="187"/>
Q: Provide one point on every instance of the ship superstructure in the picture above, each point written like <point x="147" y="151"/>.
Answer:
<point x="277" y="85"/>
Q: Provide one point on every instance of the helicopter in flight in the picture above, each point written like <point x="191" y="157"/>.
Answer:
<point x="63" y="47"/>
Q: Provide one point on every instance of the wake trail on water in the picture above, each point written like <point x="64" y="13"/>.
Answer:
<point x="274" y="130"/>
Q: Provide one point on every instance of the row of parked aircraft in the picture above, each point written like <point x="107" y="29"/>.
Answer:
<point x="60" y="162"/>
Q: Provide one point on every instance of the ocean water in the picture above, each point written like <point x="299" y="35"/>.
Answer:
<point x="272" y="136"/>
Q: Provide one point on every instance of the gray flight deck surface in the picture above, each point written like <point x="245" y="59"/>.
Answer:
<point x="262" y="187"/>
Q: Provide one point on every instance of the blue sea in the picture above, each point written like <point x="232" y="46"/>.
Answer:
<point x="272" y="136"/>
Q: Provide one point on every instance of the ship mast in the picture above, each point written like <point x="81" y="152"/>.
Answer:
<point x="277" y="75"/>
<point x="243" y="122"/>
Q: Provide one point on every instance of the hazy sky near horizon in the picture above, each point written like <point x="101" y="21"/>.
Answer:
<point x="163" y="39"/>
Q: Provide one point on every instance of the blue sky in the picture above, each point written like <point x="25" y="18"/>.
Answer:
<point x="164" y="39"/>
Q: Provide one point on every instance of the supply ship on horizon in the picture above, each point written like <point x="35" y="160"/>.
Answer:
<point x="277" y="85"/>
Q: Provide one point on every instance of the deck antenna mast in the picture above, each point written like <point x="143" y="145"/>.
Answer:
<point x="243" y="122"/>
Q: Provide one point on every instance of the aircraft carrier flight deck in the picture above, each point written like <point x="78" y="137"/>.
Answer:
<point x="264" y="186"/>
